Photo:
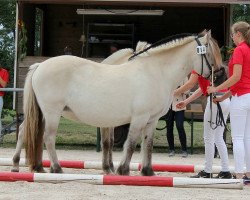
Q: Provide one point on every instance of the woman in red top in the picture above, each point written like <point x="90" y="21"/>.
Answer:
<point x="211" y="136"/>
<point x="4" y="78"/>
<point x="239" y="83"/>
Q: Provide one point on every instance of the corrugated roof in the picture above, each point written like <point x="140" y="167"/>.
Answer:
<point x="139" y="1"/>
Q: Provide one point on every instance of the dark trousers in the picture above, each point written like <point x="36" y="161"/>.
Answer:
<point x="178" y="117"/>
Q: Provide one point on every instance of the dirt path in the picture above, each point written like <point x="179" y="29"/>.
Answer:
<point x="78" y="190"/>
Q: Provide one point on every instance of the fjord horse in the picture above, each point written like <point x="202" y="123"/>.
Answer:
<point x="138" y="92"/>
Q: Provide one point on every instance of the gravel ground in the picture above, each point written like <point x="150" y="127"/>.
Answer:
<point x="78" y="190"/>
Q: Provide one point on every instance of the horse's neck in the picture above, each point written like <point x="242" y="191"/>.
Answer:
<point x="176" y="68"/>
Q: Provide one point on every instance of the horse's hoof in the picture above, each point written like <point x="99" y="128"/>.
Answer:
<point x="121" y="170"/>
<point x="14" y="170"/>
<point x="108" y="170"/>
<point x="15" y="166"/>
<point x="146" y="171"/>
<point x="112" y="168"/>
<point x="39" y="169"/>
<point x="56" y="169"/>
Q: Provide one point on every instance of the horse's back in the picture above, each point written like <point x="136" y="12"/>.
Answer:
<point x="54" y="77"/>
<point x="79" y="86"/>
<point x="89" y="89"/>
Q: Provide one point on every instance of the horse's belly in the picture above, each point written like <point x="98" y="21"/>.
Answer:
<point x="97" y="117"/>
<point x="100" y="121"/>
<point x="70" y="115"/>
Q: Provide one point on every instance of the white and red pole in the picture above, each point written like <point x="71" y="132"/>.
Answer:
<point x="159" y="181"/>
<point x="133" y="166"/>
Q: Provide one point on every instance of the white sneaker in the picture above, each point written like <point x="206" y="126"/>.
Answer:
<point x="171" y="153"/>
<point x="184" y="154"/>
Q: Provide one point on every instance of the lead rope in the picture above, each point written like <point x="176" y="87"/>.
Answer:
<point x="219" y="120"/>
<point x="211" y="101"/>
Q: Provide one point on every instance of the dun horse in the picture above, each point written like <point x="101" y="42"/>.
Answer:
<point x="138" y="92"/>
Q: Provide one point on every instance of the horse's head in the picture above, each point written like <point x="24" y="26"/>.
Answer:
<point x="209" y="52"/>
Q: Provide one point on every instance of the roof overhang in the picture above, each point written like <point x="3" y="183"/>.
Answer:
<point x="136" y="2"/>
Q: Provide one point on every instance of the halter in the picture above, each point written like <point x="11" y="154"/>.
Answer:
<point x="202" y="50"/>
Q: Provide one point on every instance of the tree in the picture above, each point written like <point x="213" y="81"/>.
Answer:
<point x="7" y="42"/>
<point x="241" y="12"/>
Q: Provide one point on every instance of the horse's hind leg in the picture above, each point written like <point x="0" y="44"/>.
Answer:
<point x="16" y="157"/>
<point x="111" y="136"/>
<point x="107" y="150"/>
<point x="137" y="126"/>
<point x="39" y="152"/>
<point x="147" y="148"/>
<point x="51" y="126"/>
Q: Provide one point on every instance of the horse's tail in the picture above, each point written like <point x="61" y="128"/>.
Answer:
<point x="33" y="121"/>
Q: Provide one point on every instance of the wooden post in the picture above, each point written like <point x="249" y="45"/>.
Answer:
<point x="98" y="140"/>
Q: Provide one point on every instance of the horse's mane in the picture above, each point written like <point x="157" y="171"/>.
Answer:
<point x="141" y="45"/>
<point x="167" y="43"/>
<point x="216" y="52"/>
<point x="118" y="55"/>
<point x="179" y="40"/>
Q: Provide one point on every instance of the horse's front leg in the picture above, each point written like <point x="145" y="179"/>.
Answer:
<point x="147" y="149"/>
<point x="16" y="157"/>
<point x="107" y="163"/>
<point x="137" y="126"/>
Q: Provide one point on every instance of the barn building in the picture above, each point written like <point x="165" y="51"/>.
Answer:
<point x="88" y="28"/>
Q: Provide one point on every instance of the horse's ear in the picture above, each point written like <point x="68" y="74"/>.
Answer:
<point x="209" y="35"/>
<point x="202" y="33"/>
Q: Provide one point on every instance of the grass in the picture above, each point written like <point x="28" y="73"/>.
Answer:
<point x="74" y="135"/>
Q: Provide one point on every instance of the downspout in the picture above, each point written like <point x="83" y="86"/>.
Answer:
<point x="16" y="57"/>
<point x="230" y="23"/>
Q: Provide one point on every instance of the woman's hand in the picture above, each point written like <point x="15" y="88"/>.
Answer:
<point x="176" y="92"/>
<point x="211" y="89"/>
<point x="181" y="104"/>
<point x="217" y="99"/>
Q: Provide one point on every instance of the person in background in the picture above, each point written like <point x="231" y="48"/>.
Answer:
<point x="67" y="50"/>
<point x="239" y="83"/>
<point x="177" y="115"/>
<point x="211" y="136"/>
<point x="4" y="79"/>
<point x="114" y="47"/>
